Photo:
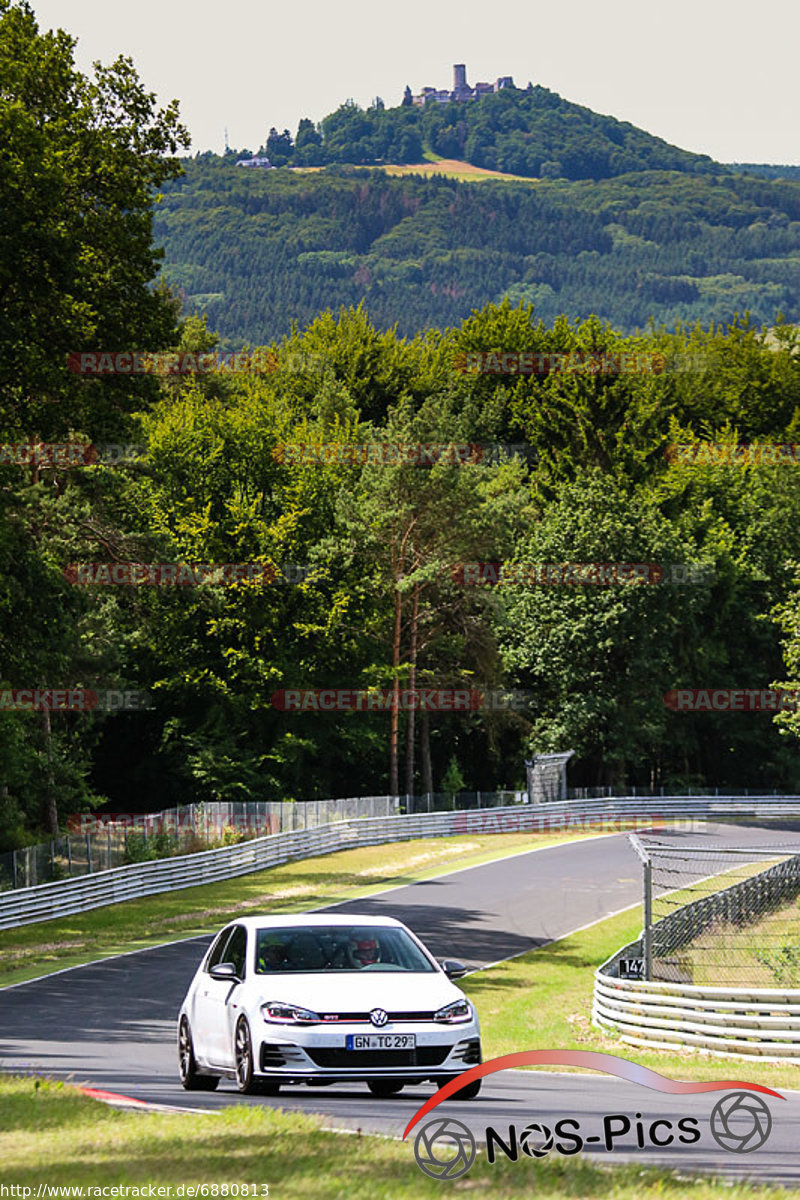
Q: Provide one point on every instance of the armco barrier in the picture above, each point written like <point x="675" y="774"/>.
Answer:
<point x="744" y="1021"/>
<point x="46" y="901"/>
<point x="761" y="1022"/>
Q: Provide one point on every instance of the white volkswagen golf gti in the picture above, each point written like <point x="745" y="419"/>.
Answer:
<point x="325" y="999"/>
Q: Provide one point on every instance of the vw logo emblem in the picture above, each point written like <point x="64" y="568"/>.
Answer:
<point x="378" y="1016"/>
<point x="740" y="1122"/>
<point x="444" y="1148"/>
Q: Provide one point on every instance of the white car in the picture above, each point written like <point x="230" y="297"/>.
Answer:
<point x="325" y="999"/>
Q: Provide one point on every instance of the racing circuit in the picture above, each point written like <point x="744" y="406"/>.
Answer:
<point x="111" y="1025"/>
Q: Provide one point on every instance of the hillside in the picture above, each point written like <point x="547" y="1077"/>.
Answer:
<point x="533" y="132"/>
<point x="258" y="250"/>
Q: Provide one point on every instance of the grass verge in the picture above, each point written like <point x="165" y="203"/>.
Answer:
<point x="30" y="951"/>
<point x="51" y="1134"/>
<point x="543" y="1001"/>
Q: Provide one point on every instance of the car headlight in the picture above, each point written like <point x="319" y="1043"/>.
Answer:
<point x="288" y="1014"/>
<point x="455" y="1013"/>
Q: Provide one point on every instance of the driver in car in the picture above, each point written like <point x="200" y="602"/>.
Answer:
<point x="363" y="952"/>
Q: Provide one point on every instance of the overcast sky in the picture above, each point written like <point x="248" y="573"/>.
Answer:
<point x="719" y="77"/>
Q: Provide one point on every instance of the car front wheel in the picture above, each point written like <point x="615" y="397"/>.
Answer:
<point x="246" y="1080"/>
<point x="191" y="1079"/>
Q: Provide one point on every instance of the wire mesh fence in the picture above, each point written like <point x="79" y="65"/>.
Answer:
<point x="96" y="842"/>
<point x="723" y="915"/>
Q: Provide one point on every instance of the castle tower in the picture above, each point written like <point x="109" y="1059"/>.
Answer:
<point x="460" y="78"/>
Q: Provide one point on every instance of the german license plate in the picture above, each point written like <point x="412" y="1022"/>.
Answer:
<point x="381" y="1041"/>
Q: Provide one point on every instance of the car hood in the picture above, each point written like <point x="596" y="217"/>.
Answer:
<point x="356" y="992"/>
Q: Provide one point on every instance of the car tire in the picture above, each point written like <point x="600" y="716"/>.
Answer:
<point x="191" y="1079"/>
<point x="469" y="1092"/>
<point x="385" y="1087"/>
<point x="243" y="1059"/>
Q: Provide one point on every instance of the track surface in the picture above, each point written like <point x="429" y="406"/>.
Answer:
<point x="112" y="1024"/>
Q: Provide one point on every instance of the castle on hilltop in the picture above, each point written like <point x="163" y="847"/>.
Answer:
<point x="461" y="89"/>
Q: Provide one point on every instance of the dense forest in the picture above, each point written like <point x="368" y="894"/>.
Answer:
<point x="532" y="132"/>
<point x="363" y="583"/>
<point x="257" y="250"/>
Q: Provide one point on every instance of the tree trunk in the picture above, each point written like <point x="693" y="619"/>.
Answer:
<point x="425" y="751"/>
<point x="412" y="683"/>
<point x="394" y="789"/>
<point x="51" y="802"/>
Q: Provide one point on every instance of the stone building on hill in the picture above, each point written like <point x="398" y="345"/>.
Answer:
<point x="461" y="90"/>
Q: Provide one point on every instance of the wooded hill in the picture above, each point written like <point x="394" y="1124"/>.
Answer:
<point x="257" y="250"/>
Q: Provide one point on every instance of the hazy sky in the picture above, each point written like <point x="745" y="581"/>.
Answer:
<point x="716" y="76"/>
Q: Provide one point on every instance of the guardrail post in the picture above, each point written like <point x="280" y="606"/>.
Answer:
<point x="69" y="854"/>
<point x="648" y="918"/>
<point x="14" y="866"/>
<point x="88" y="854"/>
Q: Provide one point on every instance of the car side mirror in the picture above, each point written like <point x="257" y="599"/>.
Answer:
<point x="452" y="968"/>
<point x="225" y="973"/>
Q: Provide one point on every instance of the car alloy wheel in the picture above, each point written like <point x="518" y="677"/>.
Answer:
<point x="191" y="1080"/>
<point x="246" y="1081"/>
<point x="244" y="1057"/>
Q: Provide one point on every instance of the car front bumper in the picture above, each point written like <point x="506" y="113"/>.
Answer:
<point x="326" y="1059"/>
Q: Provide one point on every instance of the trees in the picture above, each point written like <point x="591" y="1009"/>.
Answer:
<point x="80" y="160"/>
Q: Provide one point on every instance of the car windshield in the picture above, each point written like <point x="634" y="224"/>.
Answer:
<point x="338" y="948"/>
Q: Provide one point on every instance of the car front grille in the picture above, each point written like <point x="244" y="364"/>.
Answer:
<point x="423" y="1056"/>
<point x="356" y="1017"/>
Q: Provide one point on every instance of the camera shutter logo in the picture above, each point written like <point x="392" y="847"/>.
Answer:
<point x="379" y="1017"/>
<point x="740" y="1122"/>
<point x="536" y="1140"/>
<point x="444" y="1148"/>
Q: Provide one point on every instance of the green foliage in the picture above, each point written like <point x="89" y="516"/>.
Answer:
<point x="784" y="964"/>
<point x="423" y="252"/>
<point x="452" y="780"/>
<point x="139" y="848"/>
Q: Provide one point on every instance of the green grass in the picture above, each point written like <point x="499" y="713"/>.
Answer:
<point x="30" y="951"/>
<point x="763" y="954"/>
<point x="51" y="1134"/>
<point x="543" y="1001"/>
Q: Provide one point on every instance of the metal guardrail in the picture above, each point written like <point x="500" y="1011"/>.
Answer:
<point x="745" y="1021"/>
<point x="757" y="1022"/>
<point x="47" y="901"/>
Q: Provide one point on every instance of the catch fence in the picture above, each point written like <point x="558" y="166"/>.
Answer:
<point x="721" y="915"/>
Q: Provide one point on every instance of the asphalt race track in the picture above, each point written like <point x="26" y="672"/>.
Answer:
<point x="111" y="1025"/>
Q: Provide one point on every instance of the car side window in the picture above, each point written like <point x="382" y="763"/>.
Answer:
<point x="236" y="949"/>
<point x="216" y="955"/>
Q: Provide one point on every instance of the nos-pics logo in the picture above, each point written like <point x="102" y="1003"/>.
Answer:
<point x="445" y="1148"/>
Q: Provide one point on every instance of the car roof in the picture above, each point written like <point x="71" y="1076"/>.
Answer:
<point x="312" y="920"/>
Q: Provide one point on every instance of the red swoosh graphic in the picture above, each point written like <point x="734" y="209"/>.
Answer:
<point x="610" y="1063"/>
